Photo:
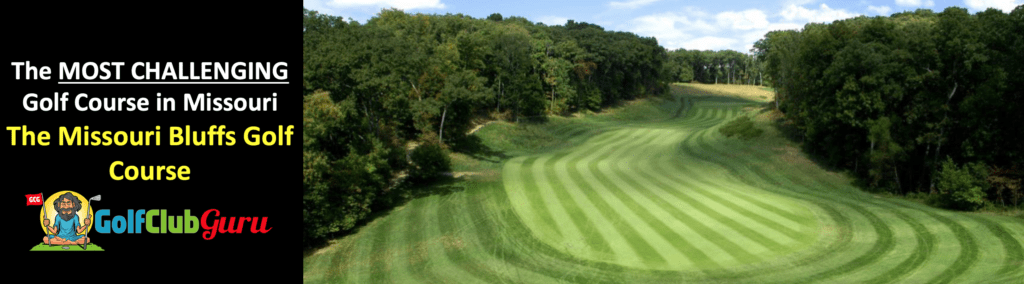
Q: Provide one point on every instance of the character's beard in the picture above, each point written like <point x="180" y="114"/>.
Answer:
<point x="66" y="217"/>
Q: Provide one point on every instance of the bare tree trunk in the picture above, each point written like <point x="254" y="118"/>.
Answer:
<point x="552" y="99"/>
<point x="924" y="167"/>
<point x="500" y="94"/>
<point x="899" y="187"/>
<point x="440" y="133"/>
<point x="418" y="94"/>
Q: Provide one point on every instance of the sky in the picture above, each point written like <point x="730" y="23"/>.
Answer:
<point x="701" y="25"/>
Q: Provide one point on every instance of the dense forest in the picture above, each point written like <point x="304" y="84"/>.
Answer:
<point x="370" y="88"/>
<point x="921" y="103"/>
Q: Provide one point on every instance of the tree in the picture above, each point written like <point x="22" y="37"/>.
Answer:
<point x="897" y="93"/>
<point x="962" y="188"/>
<point x="343" y="172"/>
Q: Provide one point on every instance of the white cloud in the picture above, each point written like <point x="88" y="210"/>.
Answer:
<point x="631" y="4"/>
<point x="400" y="4"/>
<point x="695" y="29"/>
<point x="915" y="3"/>
<point x="552" y="20"/>
<point x="884" y="10"/>
<point x="748" y="38"/>
<point x="981" y="5"/>
<point x="710" y="43"/>
<point x="744" y="20"/>
<point x="822" y="14"/>
<point x="672" y="30"/>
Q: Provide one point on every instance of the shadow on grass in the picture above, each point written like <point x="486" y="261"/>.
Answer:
<point x="682" y="107"/>
<point x="384" y="205"/>
<point x="796" y="137"/>
<point x="473" y="146"/>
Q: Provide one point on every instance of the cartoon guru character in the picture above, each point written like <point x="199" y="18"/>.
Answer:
<point x="66" y="231"/>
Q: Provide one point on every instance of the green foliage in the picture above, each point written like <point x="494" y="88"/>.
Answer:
<point x="430" y="160"/>
<point x="962" y="188"/>
<point x="886" y="97"/>
<point x="724" y="66"/>
<point x="400" y="76"/>
<point x="343" y="172"/>
<point x="742" y="127"/>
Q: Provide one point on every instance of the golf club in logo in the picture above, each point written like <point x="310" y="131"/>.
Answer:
<point x="65" y="222"/>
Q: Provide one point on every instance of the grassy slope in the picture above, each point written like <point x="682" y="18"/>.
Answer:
<point x="650" y="193"/>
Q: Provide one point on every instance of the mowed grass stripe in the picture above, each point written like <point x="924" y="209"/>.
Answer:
<point x="436" y="267"/>
<point x="756" y="201"/>
<point x="925" y="247"/>
<point x="1013" y="251"/>
<point x="581" y="234"/>
<point x="347" y="261"/>
<point x="546" y="223"/>
<point x="504" y="236"/>
<point x="737" y="241"/>
<point x="700" y="192"/>
<point x="968" y="251"/>
<point x="968" y="246"/>
<point x="843" y="222"/>
<point x="652" y="230"/>
<point x="849" y="229"/>
<point x="494" y="240"/>
<point x="925" y="240"/>
<point x="883" y="244"/>
<point x="727" y="228"/>
<point x="611" y="210"/>
<point x="516" y="191"/>
<point x="710" y="117"/>
<point x="884" y="234"/>
<point x="585" y="196"/>
<point x="670" y="193"/>
<point x="638" y="234"/>
<point x="761" y="215"/>
<point x="919" y="254"/>
<point x="416" y="242"/>
<point x="691" y="245"/>
<point x="703" y="118"/>
<point x="577" y="205"/>
<point x="701" y="141"/>
<point x="384" y="256"/>
<point x="630" y="194"/>
<point x="555" y="205"/>
<point x="924" y="243"/>
<point x="451" y="240"/>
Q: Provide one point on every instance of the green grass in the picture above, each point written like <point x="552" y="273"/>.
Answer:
<point x="742" y="127"/>
<point x="652" y="192"/>
<point x="44" y="247"/>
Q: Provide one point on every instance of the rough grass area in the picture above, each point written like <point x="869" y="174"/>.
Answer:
<point x="653" y="193"/>
<point x="745" y="92"/>
<point x="741" y="127"/>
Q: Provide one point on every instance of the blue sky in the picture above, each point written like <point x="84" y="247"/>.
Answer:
<point x="708" y="24"/>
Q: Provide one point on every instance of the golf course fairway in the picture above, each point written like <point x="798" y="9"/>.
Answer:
<point x="652" y="193"/>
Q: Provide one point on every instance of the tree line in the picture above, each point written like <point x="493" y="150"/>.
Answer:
<point x="919" y="103"/>
<point x="714" y="67"/>
<point x="370" y="88"/>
